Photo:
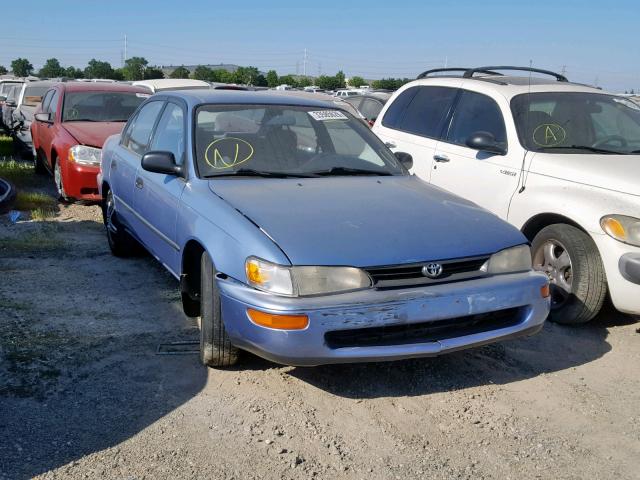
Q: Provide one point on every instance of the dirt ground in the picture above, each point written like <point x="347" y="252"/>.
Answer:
<point x="83" y="393"/>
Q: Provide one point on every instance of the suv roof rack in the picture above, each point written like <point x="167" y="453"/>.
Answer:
<point x="470" y="72"/>
<point x="463" y="70"/>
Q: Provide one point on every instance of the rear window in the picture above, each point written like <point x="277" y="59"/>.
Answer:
<point x="33" y="95"/>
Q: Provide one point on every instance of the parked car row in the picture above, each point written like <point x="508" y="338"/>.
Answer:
<point x="298" y="234"/>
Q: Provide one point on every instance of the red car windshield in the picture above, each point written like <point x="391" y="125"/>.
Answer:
<point x="100" y="106"/>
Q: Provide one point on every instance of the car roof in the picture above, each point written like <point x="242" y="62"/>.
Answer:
<point x="101" y="87"/>
<point x="167" y="83"/>
<point x="238" y="97"/>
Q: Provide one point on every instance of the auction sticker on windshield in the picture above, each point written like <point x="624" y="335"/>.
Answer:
<point x="322" y="115"/>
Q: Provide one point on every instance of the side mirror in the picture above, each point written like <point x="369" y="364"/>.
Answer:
<point x="485" y="142"/>
<point x="161" y="162"/>
<point x="43" y="117"/>
<point x="405" y="159"/>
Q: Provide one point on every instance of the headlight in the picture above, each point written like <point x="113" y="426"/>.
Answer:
<point x="622" y="228"/>
<point x="304" y="281"/>
<point x="85" y="155"/>
<point x="511" y="260"/>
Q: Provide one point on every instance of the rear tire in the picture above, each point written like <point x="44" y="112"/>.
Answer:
<point x="216" y="349"/>
<point x="121" y="243"/>
<point x="578" y="282"/>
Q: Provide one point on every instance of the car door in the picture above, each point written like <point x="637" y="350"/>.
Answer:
<point x="488" y="179"/>
<point x="414" y="122"/>
<point x="126" y="157"/>
<point x="157" y="196"/>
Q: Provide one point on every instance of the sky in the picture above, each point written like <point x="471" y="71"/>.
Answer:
<point x="592" y="42"/>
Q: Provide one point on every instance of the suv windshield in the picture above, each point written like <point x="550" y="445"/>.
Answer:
<point x="100" y="106"/>
<point x="576" y="122"/>
<point x="277" y="140"/>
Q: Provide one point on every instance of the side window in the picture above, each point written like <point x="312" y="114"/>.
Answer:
<point x="53" y="106"/>
<point x="370" y="109"/>
<point x="395" y="112"/>
<point x="46" y="101"/>
<point x="137" y="136"/>
<point x="169" y="135"/>
<point x="474" y="113"/>
<point x="426" y="113"/>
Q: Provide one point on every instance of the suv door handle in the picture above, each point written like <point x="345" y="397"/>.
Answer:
<point x="390" y="145"/>
<point x="441" y="158"/>
<point x="139" y="182"/>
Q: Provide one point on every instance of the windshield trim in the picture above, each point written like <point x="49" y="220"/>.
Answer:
<point x="198" y="106"/>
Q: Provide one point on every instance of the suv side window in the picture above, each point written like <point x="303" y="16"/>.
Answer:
<point x="169" y="135"/>
<point x="394" y="113"/>
<point x="46" y="100"/>
<point x="474" y="113"/>
<point x="426" y="113"/>
<point x="137" y="137"/>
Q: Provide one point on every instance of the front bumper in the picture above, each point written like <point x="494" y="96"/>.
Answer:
<point x="622" y="267"/>
<point x="80" y="181"/>
<point x="374" y="308"/>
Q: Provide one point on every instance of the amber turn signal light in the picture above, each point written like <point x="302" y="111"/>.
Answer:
<point x="545" y="291"/>
<point x="280" y="322"/>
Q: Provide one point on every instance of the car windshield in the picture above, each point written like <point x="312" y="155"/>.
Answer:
<point x="33" y="95"/>
<point x="277" y="140"/>
<point x="6" y="87"/>
<point x="576" y="122"/>
<point x="100" y="106"/>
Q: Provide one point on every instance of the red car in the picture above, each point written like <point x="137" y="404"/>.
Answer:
<point x="70" y="127"/>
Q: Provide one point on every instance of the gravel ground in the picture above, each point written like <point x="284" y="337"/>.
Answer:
<point x="83" y="393"/>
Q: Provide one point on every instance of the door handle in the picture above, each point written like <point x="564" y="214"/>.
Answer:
<point x="139" y="182"/>
<point x="114" y="164"/>
<point x="390" y="145"/>
<point x="441" y="158"/>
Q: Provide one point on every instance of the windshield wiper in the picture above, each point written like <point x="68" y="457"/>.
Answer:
<point x="248" y="172"/>
<point x="350" y="171"/>
<point x="585" y="147"/>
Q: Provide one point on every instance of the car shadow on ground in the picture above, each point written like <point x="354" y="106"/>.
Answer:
<point x="79" y="332"/>
<point x="555" y="348"/>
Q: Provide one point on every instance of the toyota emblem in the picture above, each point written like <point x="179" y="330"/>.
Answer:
<point x="432" y="270"/>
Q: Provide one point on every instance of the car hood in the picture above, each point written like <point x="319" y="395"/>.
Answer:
<point x="93" y="134"/>
<point x="618" y="173"/>
<point x="366" y="221"/>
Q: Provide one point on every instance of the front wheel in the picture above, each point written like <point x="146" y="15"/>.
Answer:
<point x="215" y="347"/>
<point x="57" y="177"/>
<point x="571" y="261"/>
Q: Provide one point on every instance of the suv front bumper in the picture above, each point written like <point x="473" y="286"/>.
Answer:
<point x="391" y="308"/>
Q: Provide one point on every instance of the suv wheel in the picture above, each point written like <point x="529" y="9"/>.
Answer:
<point x="215" y="347"/>
<point x="570" y="258"/>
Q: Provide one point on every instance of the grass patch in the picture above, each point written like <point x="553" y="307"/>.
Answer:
<point x="42" y="240"/>
<point x="43" y="214"/>
<point x="6" y="146"/>
<point x="21" y="174"/>
<point x="34" y="200"/>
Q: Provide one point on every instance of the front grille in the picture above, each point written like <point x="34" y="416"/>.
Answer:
<point x="431" y="331"/>
<point x="395" y="276"/>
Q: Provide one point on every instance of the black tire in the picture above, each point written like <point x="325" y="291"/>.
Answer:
<point x="57" y="179"/>
<point x="588" y="281"/>
<point x="121" y="243"/>
<point x="215" y="347"/>
<point x="38" y="164"/>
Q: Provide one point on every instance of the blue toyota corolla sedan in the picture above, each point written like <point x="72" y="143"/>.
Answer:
<point x="298" y="236"/>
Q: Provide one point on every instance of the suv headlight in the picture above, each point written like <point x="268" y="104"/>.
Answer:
<point x="623" y="228"/>
<point x="304" y="281"/>
<point x="511" y="260"/>
<point x="85" y="155"/>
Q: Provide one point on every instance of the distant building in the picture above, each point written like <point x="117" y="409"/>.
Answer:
<point x="168" y="69"/>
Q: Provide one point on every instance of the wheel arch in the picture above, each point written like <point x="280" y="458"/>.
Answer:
<point x="536" y="223"/>
<point x="190" y="277"/>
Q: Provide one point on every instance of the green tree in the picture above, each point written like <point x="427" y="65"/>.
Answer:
<point x="329" y="83"/>
<point x="260" y="81"/>
<point x="288" y="80"/>
<point x="118" y="74"/>
<point x="305" y="82"/>
<point x="3" y="70"/>
<point x="340" y="79"/>
<point x="272" y="79"/>
<point x="202" y="73"/>
<point x="390" y="83"/>
<point x="21" y="67"/>
<point x="73" y="72"/>
<point x="356" y="81"/>
<point x="98" y="69"/>
<point x="134" y="68"/>
<point x="246" y="75"/>
<point x="180" y="72"/>
<point x="51" y="69"/>
<point x="151" y="73"/>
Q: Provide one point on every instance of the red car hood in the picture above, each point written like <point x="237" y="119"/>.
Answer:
<point x="93" y="134"/>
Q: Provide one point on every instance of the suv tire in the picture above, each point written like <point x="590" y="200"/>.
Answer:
<point x="578" y="282"/>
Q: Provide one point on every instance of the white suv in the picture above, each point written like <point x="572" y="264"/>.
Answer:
<point x="558" y="160"/>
